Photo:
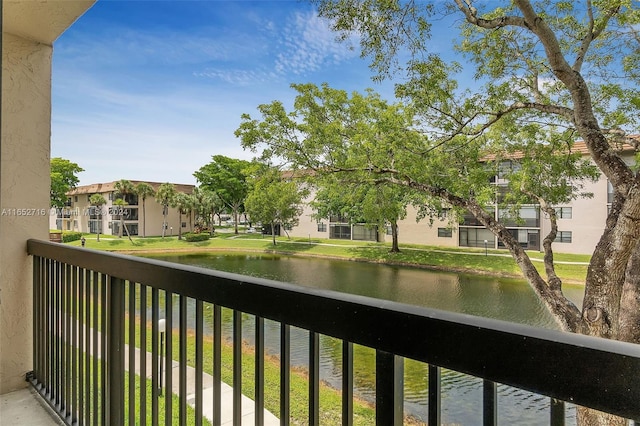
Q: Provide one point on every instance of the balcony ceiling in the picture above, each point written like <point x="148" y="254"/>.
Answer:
<point x="41" y="20"/>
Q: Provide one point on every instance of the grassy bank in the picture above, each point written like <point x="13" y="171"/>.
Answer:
<point x="570" y="267"/>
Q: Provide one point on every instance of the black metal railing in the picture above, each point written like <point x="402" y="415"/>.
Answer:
<point x="95" y="362"/>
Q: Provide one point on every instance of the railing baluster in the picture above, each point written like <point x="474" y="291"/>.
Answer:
<point x="96" y="355"/>
<point x="104" y="330"/>
<point x="389" y="389"/>
<point x="314" y="378"/>
<point x="132" y="352"/>
<point x="81" y="348"/>
<point x="434" y="398"/>
<point x="556" y="415"/>
<point x="87" y="347"/>
<point x="285" y="373"/>
<point x="168" y="299"/>
<point x="183" y="361"/>
<point x="217" y="365"/>
<point x="56" y="336"/>
<point x="48" y="326"/>
<point x="489" y="403"/>
<point x="74" y="345"/>
<point x="143" y="354"/>
<point x="66" y="344"/>
<point x="347" y="383"/>
<point x="259" y="372"/>
<point x="237" y="368"/>
<point x="155" y="319"/>
<point x="115" y="351"/>
<point x="199" y="366"/>
<point x="36" y="318"/>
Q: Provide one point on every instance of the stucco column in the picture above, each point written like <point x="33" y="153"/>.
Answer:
<point x="24" y="190"/>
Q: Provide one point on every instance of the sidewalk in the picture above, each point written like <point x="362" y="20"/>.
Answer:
<point x="248" y="405"/>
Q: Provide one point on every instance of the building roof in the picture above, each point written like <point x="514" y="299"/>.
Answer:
<point x="578" y="147"/>
<point x="101" y="188"/>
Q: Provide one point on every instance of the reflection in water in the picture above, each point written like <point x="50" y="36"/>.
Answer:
<point x="499" y="298"/>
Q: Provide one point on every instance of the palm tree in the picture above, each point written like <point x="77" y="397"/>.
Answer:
<point x="144" y="190"/>
<point x="183" y="203"/>
<point x="121" y="203"/>
<point x="97" y="200"/>
<point x="124" y="187"/>
<point x="164" y="196"/>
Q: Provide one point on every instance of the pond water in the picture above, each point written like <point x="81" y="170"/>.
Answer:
<point x="499" y="298"/>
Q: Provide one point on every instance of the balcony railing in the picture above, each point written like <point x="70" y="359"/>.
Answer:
<point x="90" y="307"/>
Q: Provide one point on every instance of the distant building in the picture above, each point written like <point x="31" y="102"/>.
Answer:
<point x="79" y="215"/>
<point x="580" y="222"/>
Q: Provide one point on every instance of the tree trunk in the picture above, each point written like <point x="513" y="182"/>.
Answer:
<point x="144" y="221"/>
<point x="629" y="317"/>
<point x="179" y="224"/>
<point x="394" y="237"/>
<point x="164" y="221"/>
<point x="590" y="417"/>
<point x="273" y="232"/>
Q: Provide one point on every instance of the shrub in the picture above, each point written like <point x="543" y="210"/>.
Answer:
<point x="67" y="237"/>
<point x="191" y="237"/>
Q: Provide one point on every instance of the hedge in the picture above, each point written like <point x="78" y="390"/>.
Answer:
<point x="67" y="237"/>
<point x="191" y="237"/>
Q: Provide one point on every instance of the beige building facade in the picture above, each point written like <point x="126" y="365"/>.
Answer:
<point x="29" y="29"/>
<point x="80" y="216"/>
<point x="580" y="224"/>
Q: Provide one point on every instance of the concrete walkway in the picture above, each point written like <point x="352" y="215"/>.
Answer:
<point x="248" y="405"/>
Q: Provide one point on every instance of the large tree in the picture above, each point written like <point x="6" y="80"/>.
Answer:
<point x="63" y="179"/>
<point x="227" y="177"/>
<point x="374" y="204"/>
<point x="144" y="190"/>
<point x="545" y="72"/>
<point x="274" y="200"/>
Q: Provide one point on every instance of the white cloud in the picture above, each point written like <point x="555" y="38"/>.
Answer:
<point x="308" y="44"/>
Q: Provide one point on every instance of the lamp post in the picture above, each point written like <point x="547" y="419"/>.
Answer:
<point x="161" y="329"/>
<point x="485" y="247"/>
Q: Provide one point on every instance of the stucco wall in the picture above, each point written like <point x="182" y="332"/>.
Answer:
<point x="24" y="184"/>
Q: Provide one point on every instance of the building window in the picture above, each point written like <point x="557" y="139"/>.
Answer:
<point x="322" y="227"/>
<point x="564" y="212"/>
<point x="184" y="224"/>
<point x="388" y="230"/>
<point x="340" y="232"/>
<point x="563" y="237"/>
<point x="111" y="196"/>
<point x="445" y="233"/>
<point x="363" y="232"/>
<point x="474" y="237"/>
<point x="75" y="198"/>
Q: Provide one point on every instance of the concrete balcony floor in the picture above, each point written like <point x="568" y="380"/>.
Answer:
<point x="25" y="407"/>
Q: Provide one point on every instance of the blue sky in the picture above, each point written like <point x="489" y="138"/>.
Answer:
<point x="150" y="90"/>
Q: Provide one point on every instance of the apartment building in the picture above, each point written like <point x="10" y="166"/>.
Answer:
<point x="580" y="223"/>
<point x="79" y="215"/>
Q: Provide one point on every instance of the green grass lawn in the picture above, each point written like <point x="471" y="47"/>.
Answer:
<point x="495" y="262"/>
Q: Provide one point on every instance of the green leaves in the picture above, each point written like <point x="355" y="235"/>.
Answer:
<point x="63" y="179"/>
